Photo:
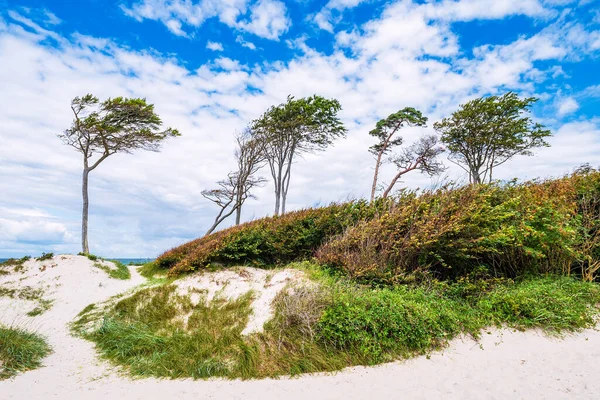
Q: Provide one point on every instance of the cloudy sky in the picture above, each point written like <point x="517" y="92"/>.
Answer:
<point x="212" y="66"/>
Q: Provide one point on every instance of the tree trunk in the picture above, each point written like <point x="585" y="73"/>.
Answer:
<point x="238" y="215"/>
<point x="374" y="187"/>
<point x="398" y="175"/>
<point x="278" y="188"/>
<point x="286" y="184"/>
<point x="84" y="217"/>
<point x="238" y="211"/>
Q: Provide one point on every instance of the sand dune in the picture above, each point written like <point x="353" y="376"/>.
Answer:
<point x="504" y="364"/>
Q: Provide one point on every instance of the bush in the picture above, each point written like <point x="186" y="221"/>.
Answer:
<point x="511" y="230"/>
<point x="270" y="241"/>
<point x="376" y="323"/>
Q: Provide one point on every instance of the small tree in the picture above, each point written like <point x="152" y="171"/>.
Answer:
<point x="250" y="158"/>
<point x="421" y="156"/>
<point x="486" y="132"/>
<point x="385" y="130"/>
<point x="298" y="126"/>
<point x="101" y="129"/>
<point x="236" y="189"/>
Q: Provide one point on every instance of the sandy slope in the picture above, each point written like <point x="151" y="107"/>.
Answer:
<point x="503" y="365"/>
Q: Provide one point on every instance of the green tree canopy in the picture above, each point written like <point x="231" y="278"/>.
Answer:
<point x="385" y="132"/>
<point x="304" y="125"/>
<point x="100" y="129"/>
<point x="486" y="132"/>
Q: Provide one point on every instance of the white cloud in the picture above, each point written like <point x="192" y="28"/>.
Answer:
<point x="445" y="10"/>
<point x="214" y="46"/>
<point x="245" y="43"/>
<point x="144" y="203"/>
<point x="267" y="18"/>
<point x="566" y="106"/>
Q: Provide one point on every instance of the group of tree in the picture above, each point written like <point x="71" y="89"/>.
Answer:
<point x="481" y="135"/>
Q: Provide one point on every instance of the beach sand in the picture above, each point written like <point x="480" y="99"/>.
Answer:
<point x="503" y="365"/>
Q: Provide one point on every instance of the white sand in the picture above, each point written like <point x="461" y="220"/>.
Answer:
<point x="233" y="283"/>
<point x="503" y="365"/>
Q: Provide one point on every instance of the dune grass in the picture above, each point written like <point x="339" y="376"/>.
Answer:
<point x="20" y="351"/>
<point x="327" y="326"/>
<point x="121" y="271"/>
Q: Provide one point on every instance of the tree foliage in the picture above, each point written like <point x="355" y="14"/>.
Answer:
<point x="304" y="125"/>
<point x="101" y="129"/>
<point x="486" y="132"/>
<point x="385" y="132"/>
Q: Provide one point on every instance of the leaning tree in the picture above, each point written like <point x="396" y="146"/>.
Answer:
<point x="386" y="133"/>
<point x="232" y="193"/>
<point x="420" y="156"/>
<point x="101" y="129"/>
<point x="298" y="126"/>
<point x="487" y="132"/>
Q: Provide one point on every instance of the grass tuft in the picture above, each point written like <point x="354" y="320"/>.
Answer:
<point x="119" y="272"/>
<point x="20" y="351"/>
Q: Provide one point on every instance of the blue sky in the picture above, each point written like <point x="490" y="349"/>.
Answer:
<point x="212" y="66"/>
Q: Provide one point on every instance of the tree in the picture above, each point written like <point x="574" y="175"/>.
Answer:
<point x="295" y="127"/>
<point x="236" y="189"/>
<point x="421" y="156"/>
<point x="385" y="131"/>
<point x="101" y="129"/>
<point x="250" y="158"/>
<point x="486" y="132"/>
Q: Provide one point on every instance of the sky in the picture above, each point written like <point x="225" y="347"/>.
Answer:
<point x="210" y="67"/>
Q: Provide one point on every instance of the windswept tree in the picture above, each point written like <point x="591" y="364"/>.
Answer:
<point x="233" y="192"/>
<point x="101" y="129"/>
<point x="421" y="156"/>
<point x="298" y="126"/>
<point x="487" y="132"/>
<point x="386" y="132"/>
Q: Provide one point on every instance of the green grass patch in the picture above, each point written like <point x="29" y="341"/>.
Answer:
<point x="121" y="271"/>
<point x="147" y="333"/>
<point x="151" y="270"/>
<point x="20" y="351"/>
<point x="13" y="265"/>
<point x="90" y="257"/>
<point x="326" y="326"/>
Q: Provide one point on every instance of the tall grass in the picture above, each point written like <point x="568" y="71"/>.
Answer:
<point x="20" y="351"/>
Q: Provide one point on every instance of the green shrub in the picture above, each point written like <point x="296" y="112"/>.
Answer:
<point x="45" y="256"/>
<point x="270" y="241"/>
<point x="20" y="351"/>
<point x="509" y="230"/>
<point x="381" y="324"/>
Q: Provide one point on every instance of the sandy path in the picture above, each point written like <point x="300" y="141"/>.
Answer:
<point x="503" y="365"/>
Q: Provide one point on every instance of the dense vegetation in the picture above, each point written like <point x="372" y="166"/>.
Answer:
<point x="270" y="241"/>
<point x="507" y="230"/>
<point x="20" y="351"/>
<point x="390" y="279"/>
<point x="326" y="326"/>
